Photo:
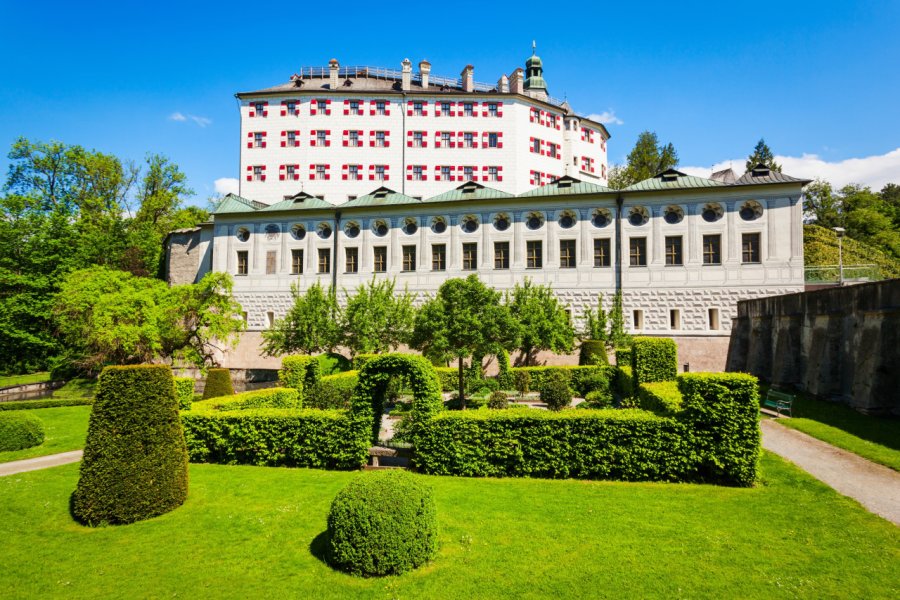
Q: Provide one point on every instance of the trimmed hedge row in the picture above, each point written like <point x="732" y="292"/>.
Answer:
<point x="272" y="437"/>
<point x="654" y="359"/>
<point x="577" y="376"/>
<point x="592" y="352"/>
<point x="360" y="360"/>
<point x="48" y="403"/>
<point x="332" y="391"/>
<point x="624" y="381"/>
<point x="661" y="397"/>
<point x="266" y="398"/>
<point x="300" y="372"/>
<point x="20" y="430"/>
<point x="623" y="357"/>
<point x="184" y="392"/>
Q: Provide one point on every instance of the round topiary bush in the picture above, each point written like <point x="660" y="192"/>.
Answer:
<point x="382" y="523"/>
<point x="135" y="461"/>
<point x="555" y="392"/>
<point x="592" y="352"/>
<point x="599" y="399"/>
<point x="498" y="400"/>
<point x="20" y="430"/>
<point x="218" y="383"/>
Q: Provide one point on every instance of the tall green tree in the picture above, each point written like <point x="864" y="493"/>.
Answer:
<point x="595" y="322"/>
<point x="376" y="319"/>
<point x="312" y="324"/>
<point x="648" y="158"/>
<point x="465" y="318"/>
<point x="762" y="155"/>
<point x="543" y="321"/>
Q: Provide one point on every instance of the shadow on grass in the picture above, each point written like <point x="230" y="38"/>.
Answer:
<point x="319" y="548"/>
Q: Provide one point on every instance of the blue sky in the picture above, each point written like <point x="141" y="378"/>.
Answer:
<point x="820" y="81"/>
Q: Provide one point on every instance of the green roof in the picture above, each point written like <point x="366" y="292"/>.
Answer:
<point x="470" y="191"/>
<point x="672" y="180"/>
<point x="566" y="186"/>
<point x="381" y="197"/>
<point x="763" y="174"/>
<point x="232" y="203"/>
<point x="301" y="201"/>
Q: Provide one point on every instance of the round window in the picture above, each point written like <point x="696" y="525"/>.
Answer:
<point x="534" y="221"/>
<point x="439" y="226"/>
<point x="711" y="213"/>
<point x="673" y="215"/>
<point x="410" y="227"/>
<point x="324" y="231"/>
<point x="751" y="211"/>
<point x="381" y="229"/>
<point x="501" y="223"/>
<point x="637" y="216"/>
<point x="352" y="230"/>
<point x="567" y="221"/>
<point x="470" y="225"/>
<point x="298" y="231"/>
<point x="601" y="218"/>
<point x="243" y="234"/>
<point x="272" y="231"/>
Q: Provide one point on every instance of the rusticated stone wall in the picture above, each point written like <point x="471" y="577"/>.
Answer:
<point x="841" y="344"/>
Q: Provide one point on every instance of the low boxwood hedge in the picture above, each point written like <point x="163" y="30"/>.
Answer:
<point x="577" y="376"/>
<point x="218" y="383"/>
<point x="332" y="391"/>
<point x="184" y="392"/>
<point x="45" y="403"/>
<point x="654" y="359"/>
<point x="20" y="430"/>
<point x="266" y="398"/>
<point x="661" y="397"/>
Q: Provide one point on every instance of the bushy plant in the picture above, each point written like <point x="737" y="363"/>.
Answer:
<point x="591" y="383"/>
<point x="184" y="392"/>
<point x="218" y="383"/>
<point x="49" y="403"/>
<point x="597" y="399"/>
<point x="135" y="461"/>
<point x="332" y="391"/>
<point x="654" y="359"/>
<point x="623" y="357"/>
<point x="504" y="375"/>
<point x="624" y="381"/>
<point x="522" y="381"/>
<point x="498" y="400"/>
<point x="491" y="384"/>
<point x="266" y="398"/>
<point x="661" y="397"/>
<point x="382" y="523"/>
<point x="19" y="430"/>
<point x="360" y="360"/>
<point x="474" y="401"/>
<point x="555" y="391"/>
<point x="592" y="352"/>
<point x="299" y="371"/>
<point x="332" y="363"/>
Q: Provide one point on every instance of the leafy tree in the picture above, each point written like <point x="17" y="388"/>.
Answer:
<point x="821" y="205"/>
<point x="543" y="322"/>
<point x="762" y="155"/>
<point x="595" y="322"/>
<point x="376" y="319"/>
<point x="648" y="158"/>
<point x="313" y="324"/>
<point x="465" y="318"/>
<point x="617" y="335"/>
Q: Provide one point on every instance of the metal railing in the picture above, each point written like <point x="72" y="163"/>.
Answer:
<point x="832" y="273"/>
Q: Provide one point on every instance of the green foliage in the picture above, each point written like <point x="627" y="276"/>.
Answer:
<point x="522" y="381"/>
<point x="300" y="372"/>
<point x="595" y="322"/>
<point x="574" y="375"/>
<point x="498" y="400"/>
<point x="135" y="462"/>
<point x="617" y="335"/>
<point x="360" y="360"/>
<point x="45" y="403"/>
<point x="19" y="430"/>
<point x="762" y="155"/>
<point x="265" y="398"/>
<point x="332" y="391"/>
<point x="592" y="352"/>
<point x="820" y="248"/>
<point x="597" y="399"/>
<point x="311" y="325"/>
<point x="555" y="391"/>
<point x="377" y="319"/>
<point x="646" y="159"/>
<point x="543" y="321"/>
<point x="184" y="392"/>
<point x="662" y="397"/>
<point x="448" y="377"/>
<point x="504" y="376"/>
<point x="624" y="381"/>
<point x="332" y="363"/>
<point x="623" y="357"/>
<point x="382" y="523"/>
<point x="654" y="359"/>
<point x="598" y="382"/>
<point x="218" y="383"/>
<point x="26" y="379"/>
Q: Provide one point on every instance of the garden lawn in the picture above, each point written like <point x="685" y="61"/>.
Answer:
<point x="255" y="532"/>
<point x="874" y="438"/>
<point x="66" y="429"/>
<point x="24" y="379"/>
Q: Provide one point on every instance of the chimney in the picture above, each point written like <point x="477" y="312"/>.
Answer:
<point x="503" y="85"/>
<point x="468" y="78"/>
<point x="424" y="72"/>
<point x="406" y="81"/>
<point x="517" y="82"/>
<point x="333" y="72"/>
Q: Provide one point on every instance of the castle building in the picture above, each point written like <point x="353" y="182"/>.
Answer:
<point x="682" y="250"/>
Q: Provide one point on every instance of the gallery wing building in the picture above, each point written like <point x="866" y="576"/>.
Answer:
<point x="349" y="173"/>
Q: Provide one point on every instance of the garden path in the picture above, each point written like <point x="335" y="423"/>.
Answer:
<point x="874" y="486"/>
<point x="41" y="462"/>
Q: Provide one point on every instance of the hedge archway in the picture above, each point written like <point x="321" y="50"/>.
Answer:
<point x="367" y="404"/>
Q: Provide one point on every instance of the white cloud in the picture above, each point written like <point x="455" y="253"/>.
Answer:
<point x="201" y="121"/>
<point x="873" y="171"/>
<point x="177" y="116"/>
<point x="226" y="185"/>
<point x="607" y="117"/>
<point x="181" y="117"/>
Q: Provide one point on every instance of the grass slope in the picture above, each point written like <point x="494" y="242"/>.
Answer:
<point x="820" y="248"/>
<point x="24" y="379"/>
<point x="66" y="429"/>
<point x="248" y="532"/>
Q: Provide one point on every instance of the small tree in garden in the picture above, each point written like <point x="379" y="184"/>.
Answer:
<point x="543" y="321"/>
<point x="595" y="322"/>
<point x="465" y="318"/>
<point x="311" y="325"/>
<point x="555" y="391"/>
<point x="522" y="380"/>
<point x="617" y="335"/>
<point x="377" y="319"/>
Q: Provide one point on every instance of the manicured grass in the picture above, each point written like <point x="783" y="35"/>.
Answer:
<point x="66" y="429"/>
<point x="255" y="532"/>
<point x="76" y="388"/>
<point x="874" y="438"/>
<point x="24" y="379"/>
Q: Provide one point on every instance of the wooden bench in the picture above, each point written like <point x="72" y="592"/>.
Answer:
<point x="777" y="402"/>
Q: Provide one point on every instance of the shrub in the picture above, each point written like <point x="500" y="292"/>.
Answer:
<point x="498" y="400"/>
<point x="332" y="363"/>
<point x="267" y="398"/>
<point x="184" y="392"/>
<point x="135" y="462"/>
<point x="299" y="371"/>
<point x="360" y="360"/>
<point x="48" y="403"/>
<point x="654" y="359"/>
<point x="597" y="399"/>
<point x="504" y="376"/>
<point x="522" y="381"/>
<point x="218" y="383"/>
<point x="591" y="383"/>
<point x="332" y="391"/>
<point x="19" y="430"/>
<point x="449" y="378"/>
<point x="661" y="397"/>
<point x="623" y="357"/>
<point x="555" y="392"/>
<point x="624" y="381"/>
<point x="382" y="523"/>
<point x="473" y="401"/>
<point x="592" y="352"/>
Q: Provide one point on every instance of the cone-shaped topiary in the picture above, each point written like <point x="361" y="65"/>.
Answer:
<point x="135" y="460"/>
<point x="218" y="383"/>
<point x="19" y="430"/>
<point x="592" y="352"/>
<point x="382" y="523"/>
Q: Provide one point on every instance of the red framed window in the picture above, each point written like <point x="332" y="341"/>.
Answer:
<point x="320" y="138"/>
<point x="257" y="139"/>
<point x="290" y="138"/>
<point x="416" y="173"/>
<point x="537" y="178"/>
<point x="290" y="108"/>
<point x="352" y="138"/>
<point x="379" y="107"/>
<point x="351" y="172"/>
<point x="444" y="108"/>
<point x="416" y="139"/>
<point x="491" y="109"/>
<point x="320" y="106"/>
<point x="259" y="109"/>
<point x="444" y="139"/>
<point x="417" y="108"/>
<point x="467" y="139"/>
<point x="353" y="107"/>
<point x="379" y="139"/>
<point x="379" y="172"/>
<point x="492" y="139"/>
<point x="256" y="172"/>
<point x="319" y="172"/>
<point x="444" y="173"/>
<point x="289" y="173"/>
<point x="587" y="135"/>
<point x="491" y="173"/>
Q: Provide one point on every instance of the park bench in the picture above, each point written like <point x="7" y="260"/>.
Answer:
<point x="777" y="401"/>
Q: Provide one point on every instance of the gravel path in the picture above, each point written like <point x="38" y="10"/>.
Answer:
<point x="41" y="462"/>
<point x="874" y="486"/>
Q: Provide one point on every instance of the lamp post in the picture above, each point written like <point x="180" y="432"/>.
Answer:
<point x="840" y="236"/>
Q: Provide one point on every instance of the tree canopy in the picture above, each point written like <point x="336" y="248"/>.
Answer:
<point x="376" y="319"/>
<point x="648" y="158"/>
<point x="762" y="155"/>
<point x="311" y="325"/>
<point x="544" y="323"/>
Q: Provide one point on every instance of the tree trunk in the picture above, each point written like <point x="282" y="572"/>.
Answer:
<point x="462" y="385"/>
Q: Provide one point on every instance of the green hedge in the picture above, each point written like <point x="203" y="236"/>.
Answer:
<point x="661" y="397"/>
<point x="624" y="381"/>
<point x="360" y="360"/>
<point x="332" y="391"/>
<point x="300" y="372"/>
<point x="623" y="357"/>
<point x="575" y="375"/>
<point x="654" y="359"/>
<point x="555" y="391"/>
<point x="19" y="430"/>
<point x="266" y="398"/>
<point x="504" y="376"/>
<point x="184" y="392"/>
<point x="135" y="462"/>
<point x="272" y="437"/>
<point x="46" y="403"/>
<point x="382" y="523"/>
<point x="592" y="352"/>
<point x="218" y="383"/>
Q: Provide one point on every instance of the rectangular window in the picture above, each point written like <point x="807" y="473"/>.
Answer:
<point x="469" y="139"/>
<point x="379" y="172"/>
<point x="290" y="171"/>
<point x="354" y="138"/>
<point x="712" y="249"/>
<point x="445" y="174"/>
<point x="501" y="255"/>
<point x="324" y="260"/>
<point x="354" y="171"/>
<point x="674" y="318"/>
<point x="470" y="256"/>
<point x="297" y="261"/>
<point x="750" y="248"/>
<point x="673" y="250"/>
<point x="637" y="317"/>
<point x="242" y="264"/>
<point x="409" y="258"/>
<point x="379" y="139"/>
<point x="566" y="254"/>
<point x="259" y="108"/>
<point x="380" y="265"/>
<point x="438" y="257"/>
<point x="637" y="251"/>
<point x="445" y="139"/>
<point x="493" y="139"/>
<point x="445" y="108"/>
<point x="418" y="173"/>
<point x="291" y="108"/>
<point x="534" y="253"/>
<point x="352" y="260"/>
<point x="468" y="109"/>
<point x="292" y="139"/>
<point x="418" y="109"/>
<point x="602" y="254"/>
<point x="380" y="107"/>
<point x="258" y="140"/>
<point x="320" y="172"/>
<point x="713" y="314"/>
<point x="270" y="319"/>
<point x="258" y="174"/>
<point x="271" y="261"/>
<point x="354" y="107"/>
<point x="493" y="174"/>
<point x="551" y="150"/>
<point x="492" y="109"/>
<point x="321" y="137"/>
<point x="418" y="139"/>
<point x="468" y="173"/>
<point x="536" y="146"/>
